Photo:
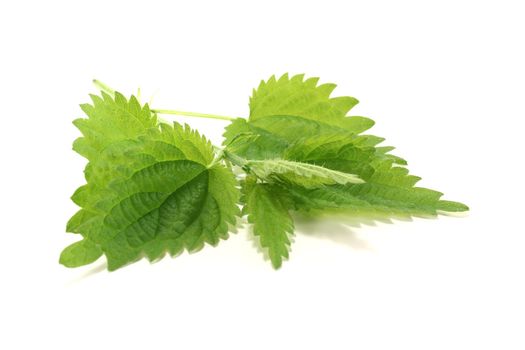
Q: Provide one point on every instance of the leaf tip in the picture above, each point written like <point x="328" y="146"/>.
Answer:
<point x="452" y="208"/>
<point x="80" y="253"/>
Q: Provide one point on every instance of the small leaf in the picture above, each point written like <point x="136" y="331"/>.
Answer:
<point x="271" y="220"/>
<point x="80" y="253"/>
<point x="305" y="174"/>
<point x="452" y="207"/>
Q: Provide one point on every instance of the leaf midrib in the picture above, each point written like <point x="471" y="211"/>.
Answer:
<point x="155" y="208"/>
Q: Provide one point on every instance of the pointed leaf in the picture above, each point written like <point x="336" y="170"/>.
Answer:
<point x="80" y="253"/>
<point x="271" y="220"/>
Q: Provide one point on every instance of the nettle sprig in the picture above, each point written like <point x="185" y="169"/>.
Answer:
<point x="155" y="187"/>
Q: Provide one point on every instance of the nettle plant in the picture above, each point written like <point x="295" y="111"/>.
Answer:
<point x="155" y="187"/>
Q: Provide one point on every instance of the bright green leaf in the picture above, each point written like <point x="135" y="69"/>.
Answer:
<point x="272" y="223"/>
<point x="151" y="189"/>
<point x="80" y="253"/>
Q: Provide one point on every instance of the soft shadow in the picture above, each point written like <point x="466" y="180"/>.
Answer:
<point x="335" y="230"/>
<point x="340" y="228"/>
<point x="255" y="242"/>
<point x="101" y="267"/>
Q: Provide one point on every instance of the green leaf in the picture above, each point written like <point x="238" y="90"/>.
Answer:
<point x="267" y="211"/>
<point x="283" y="111"/>
<point x="111" y="120"/>
<point x="284" y="125"/>
<point x="451" y="207"/>
<point x="304" y="101"/>
<point x="387" y="190"/>
<point x="151" y="189"/>
<point x="80" y="253"/>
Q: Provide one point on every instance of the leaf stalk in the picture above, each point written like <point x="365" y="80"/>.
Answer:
<point x="192" y="114"/>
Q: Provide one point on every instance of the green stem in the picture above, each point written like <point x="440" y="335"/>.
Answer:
<point x="192" y="114"/>
<point x="218" y="156"/>
<point x="235" y="159"/>
<point x="103" y="87"/>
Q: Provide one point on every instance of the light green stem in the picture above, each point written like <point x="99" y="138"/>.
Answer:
<point x="192" y="114"/>
<point x="103" y="87"/>
<point x="235" y="159"/>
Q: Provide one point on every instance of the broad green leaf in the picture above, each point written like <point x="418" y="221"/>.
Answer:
<point x="285" y="110"/>
<point x="267" y="211"/>
<point x="304" y="101"/>
<point x="151" y="189"/>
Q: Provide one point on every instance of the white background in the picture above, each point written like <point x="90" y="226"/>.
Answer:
<point x="444" y="80"/>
